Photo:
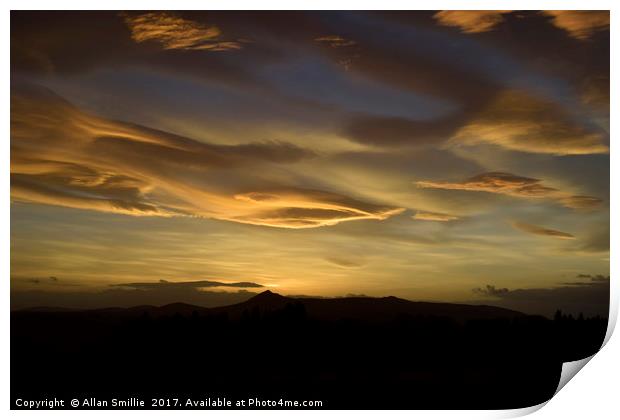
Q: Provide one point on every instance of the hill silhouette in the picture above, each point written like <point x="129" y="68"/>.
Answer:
<point x="361" y="308"/>
<point x="351" y="352"/>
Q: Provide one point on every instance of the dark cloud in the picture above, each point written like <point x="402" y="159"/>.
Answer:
<point x="542" y="231"/>
<point x="51" y="281"/>
<point x="399" y="132"/>
<point x="590" y="298"/>
<point x="164" y="284"/>
<point x="490" y="290"/>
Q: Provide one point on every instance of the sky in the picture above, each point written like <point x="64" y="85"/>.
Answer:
<point x="206" y="156"/>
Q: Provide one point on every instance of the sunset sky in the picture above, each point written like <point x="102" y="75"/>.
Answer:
<point x="419" y="154"/>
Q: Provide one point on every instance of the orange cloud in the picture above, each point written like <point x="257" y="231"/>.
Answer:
<point x="580" y="24"/>
<point x="63" y="156"/>
<point x="539" y="230"/>
<point x="434" y="217"/>
<point x="175" y="33"/>
<point x="300" y="208"/>
<point x="515" y="186"/>
<point x="517" y="121"/>
<point x="471" y="21"/>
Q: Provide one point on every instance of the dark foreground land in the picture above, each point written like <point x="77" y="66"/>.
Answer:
<point x="354" y="353"/>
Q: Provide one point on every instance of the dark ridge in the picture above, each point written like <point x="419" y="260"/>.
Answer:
<point x="355" y="307"/>
<point x="351" y="352"/>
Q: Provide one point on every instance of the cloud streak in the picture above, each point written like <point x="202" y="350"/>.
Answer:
<point x="515" y="186"/>
<point x="434" y="217"/>
<point x="541" y="231"/>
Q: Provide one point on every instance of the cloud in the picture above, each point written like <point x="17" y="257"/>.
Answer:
<point x="341" y="43"/>
<point x="511" y="119"/>
<point x="580" y="202"/>
<point x="344" y="262"/>
<point x="595" y="280"/>
<point x="580" y="24"/>
<point x="590" y="298"/>
<point x="63" y="156"/>
<point x="398" y="132"/>
<point x="434" y="217"/>
<point x="490" y="290"/>
<point x="44" y="281"/>
<point x="289" y="207"/>
<point x="539" y="230"/>
<point x="186" y="284"/>
<point x="518" y="121"/>
<point x="175" y="33"/>
<point x="335" y="41"/>
<point x="515" y="186"/>
<point x="471" y="21"/>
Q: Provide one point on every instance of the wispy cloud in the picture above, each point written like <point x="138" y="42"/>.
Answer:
<point x="176" y="33"/>
<point x="434" y="217"/>
<point x="515" y="186"/>
<point x="542" y="231"/>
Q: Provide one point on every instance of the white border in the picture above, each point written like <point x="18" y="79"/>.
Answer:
<point x="592" y="394"/>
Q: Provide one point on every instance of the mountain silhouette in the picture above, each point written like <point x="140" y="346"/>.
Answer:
<point x="360" y="308"/>
<point x="349" y="352"/>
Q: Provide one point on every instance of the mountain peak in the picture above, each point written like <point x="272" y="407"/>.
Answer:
<point x="267" y="297"/>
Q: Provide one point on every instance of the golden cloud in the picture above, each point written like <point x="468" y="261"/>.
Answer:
<point x="517" y="121"/>
<point x="515" y="186"/>
<point x="434" y="217"/>
<point x="175" y="33"/>
<point x="290" y="207"/>
<point x="471" y="21"/>
<point x="63" y="156"/>
<point x="580" y="24"/>
<point x="539" y="230"/>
